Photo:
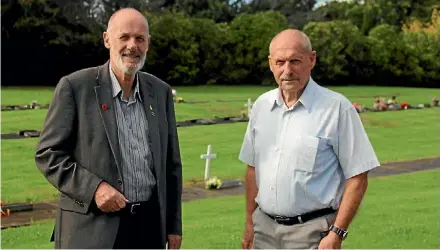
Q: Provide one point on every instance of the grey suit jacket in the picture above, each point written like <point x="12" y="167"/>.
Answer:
<point x="78" y="148"/>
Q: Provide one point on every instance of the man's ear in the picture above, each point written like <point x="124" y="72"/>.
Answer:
<point x="106" y="38"/>
<point x="313" y="59"/>
<point x="270" y="64"/>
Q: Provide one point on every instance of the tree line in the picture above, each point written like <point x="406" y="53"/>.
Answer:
<point x="196" y="42"/>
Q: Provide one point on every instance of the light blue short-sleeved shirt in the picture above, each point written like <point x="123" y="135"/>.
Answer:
<point x="304" y="154"/>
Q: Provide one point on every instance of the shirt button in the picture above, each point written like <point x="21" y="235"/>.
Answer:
<point x="272" y="188"/>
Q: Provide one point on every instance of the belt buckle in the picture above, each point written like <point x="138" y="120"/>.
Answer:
<point x="278" y="218"/>
<point x="132" y="208"/>
<point x="300" y="219"/>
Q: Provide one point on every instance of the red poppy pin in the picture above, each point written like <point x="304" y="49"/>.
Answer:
<point x="104" y="107"/>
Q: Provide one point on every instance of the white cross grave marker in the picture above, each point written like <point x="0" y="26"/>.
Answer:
<point x="208" y="156"/>
<point x="249" y="106"/>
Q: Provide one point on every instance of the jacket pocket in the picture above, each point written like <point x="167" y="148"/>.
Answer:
<point x="72" y="205"/>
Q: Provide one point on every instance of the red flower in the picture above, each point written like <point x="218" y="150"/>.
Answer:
<point x="104" y="107"/>
<point x="404" y="105"/>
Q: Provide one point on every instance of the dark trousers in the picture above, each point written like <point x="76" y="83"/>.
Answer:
<point x="139" y="226"/>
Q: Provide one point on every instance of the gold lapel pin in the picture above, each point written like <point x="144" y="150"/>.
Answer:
<point x="151" y="108"/>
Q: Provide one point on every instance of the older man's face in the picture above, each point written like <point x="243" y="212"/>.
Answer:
<point x="291" y="65"/>
<point x="128" y="42"/>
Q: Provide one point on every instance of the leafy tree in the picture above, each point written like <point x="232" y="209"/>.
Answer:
<point x="216" y="45"/>
<point x="173" y="51"/>
<point x="424" y="47"/>
<point x="333" y="43"/>
<point x="39" y="31"/>
<point x="252" y="34"/>
<point x="369" y="13"/>
<point x="393" y="56"/>
<point x="296" y="11"/>
<point x="217" y="10"/>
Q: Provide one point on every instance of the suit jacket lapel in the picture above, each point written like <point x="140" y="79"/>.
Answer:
<point x="107" y="111"/>
<point x="150" y="105"/>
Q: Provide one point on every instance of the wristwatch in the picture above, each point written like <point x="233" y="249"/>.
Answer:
<point x="340" y="232"/>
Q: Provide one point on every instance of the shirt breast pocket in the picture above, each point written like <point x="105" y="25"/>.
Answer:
<point x="305" y="153"/>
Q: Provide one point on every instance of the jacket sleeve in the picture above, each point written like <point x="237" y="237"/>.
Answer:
<point x="54" y="154"/>
<point x="174" y="173"/>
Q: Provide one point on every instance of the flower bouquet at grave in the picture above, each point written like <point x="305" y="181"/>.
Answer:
<point x="244" y="113"/>
<point x="213" y="183"/>
<point x="4" y="213"/>
<point x="404" y="105"/>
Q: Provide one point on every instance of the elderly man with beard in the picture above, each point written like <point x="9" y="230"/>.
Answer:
<point x="308" y="156"/>
<point x="110" y="146"/>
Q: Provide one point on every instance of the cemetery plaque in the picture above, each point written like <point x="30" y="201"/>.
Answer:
<point x="231" y="184"/>
<point x="29" y="133"/>
<point x="18" y="207"/>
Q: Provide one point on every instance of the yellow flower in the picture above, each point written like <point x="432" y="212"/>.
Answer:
<point x="213" y="182"/>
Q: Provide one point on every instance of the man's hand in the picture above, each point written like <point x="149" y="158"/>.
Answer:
<point x="108" y="198"/>
<point x="331" y="241"/>
<point x="248" y="237"/>
<point x="174" y="241"/>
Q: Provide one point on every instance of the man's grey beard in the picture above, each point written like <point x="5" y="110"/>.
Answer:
<point x="130" y="70"/>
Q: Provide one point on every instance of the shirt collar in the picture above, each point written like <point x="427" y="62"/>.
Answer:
<point x="117" y="88"/>
<point x="306" y="99"/>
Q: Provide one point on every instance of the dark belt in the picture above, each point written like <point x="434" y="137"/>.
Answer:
<point x="134" y="208"/>
<point x="289" y="221"/>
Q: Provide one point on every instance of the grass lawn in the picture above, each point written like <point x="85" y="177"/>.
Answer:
<point x="403" y="135"/>
<point x="397" y="212"/>
<point x="362" y="94"/>
<point x="13" y="121"/>
<point x="25" y="95"/>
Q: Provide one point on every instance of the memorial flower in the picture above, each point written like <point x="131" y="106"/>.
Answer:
<point x="213" y="183"/>
<point x="4" y="213"/>
<point x="243" y="113"/>
<point x="404" y="105"/>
